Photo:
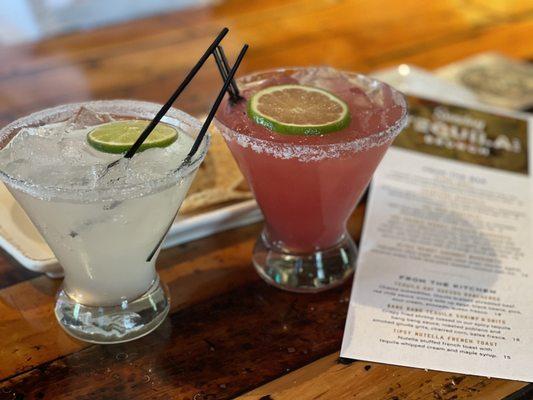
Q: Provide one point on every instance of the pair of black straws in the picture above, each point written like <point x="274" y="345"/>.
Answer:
<point x="229" y="85"/>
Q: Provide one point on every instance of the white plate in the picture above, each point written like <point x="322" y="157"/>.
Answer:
<point x="20" y="238"/>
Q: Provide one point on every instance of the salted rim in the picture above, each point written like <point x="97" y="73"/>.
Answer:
<point x="119" y="108"/>
<point x="314" y="152"/>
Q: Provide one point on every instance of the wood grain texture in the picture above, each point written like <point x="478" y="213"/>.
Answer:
<point x="30" y="334"/>
<point x="214" y="350"/>
<point x="228" y="333"/>
<point x="330" y="378"/>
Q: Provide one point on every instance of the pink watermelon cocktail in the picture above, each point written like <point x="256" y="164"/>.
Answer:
<point x="307" y="186"/>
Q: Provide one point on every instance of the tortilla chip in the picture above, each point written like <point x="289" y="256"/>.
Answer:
<point x="218" y="180"/>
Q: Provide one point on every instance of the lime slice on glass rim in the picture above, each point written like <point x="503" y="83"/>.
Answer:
<point x="117" y="137"/>
<point x="298" y="110"/>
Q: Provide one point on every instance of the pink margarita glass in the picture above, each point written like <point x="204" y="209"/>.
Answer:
<point x="308" y="185"/>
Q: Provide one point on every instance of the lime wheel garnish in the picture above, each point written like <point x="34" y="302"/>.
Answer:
<point x="117" y="137"/>
<point x="298" y="110"/>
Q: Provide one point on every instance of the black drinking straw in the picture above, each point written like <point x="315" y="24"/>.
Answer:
<point x="203" y="130"/>
<point x="223" y="67"/>
<point x="223" y="71"/>
<point x="160" y="114"/>
<point x="216" y="104"/>
<point x="226" y="64"/>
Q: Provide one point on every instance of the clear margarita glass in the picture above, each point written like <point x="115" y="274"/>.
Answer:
<point x="104" y="239"/>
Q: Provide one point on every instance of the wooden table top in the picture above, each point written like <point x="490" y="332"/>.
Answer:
<point x="229" y="334"/>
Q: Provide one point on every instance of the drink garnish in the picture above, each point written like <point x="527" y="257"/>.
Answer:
<point x="298" y="110"/>
<point x="117" y="137"/>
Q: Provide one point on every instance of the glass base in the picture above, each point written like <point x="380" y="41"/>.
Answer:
<point x="305" y="273"/>
<point x="114" y="324"/>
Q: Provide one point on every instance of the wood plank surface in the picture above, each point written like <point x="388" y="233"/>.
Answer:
<point x="228" y="333"/>
<point x="31" y="336"/>
<point x="332" y="378"/>
<point x="217" y="349"/>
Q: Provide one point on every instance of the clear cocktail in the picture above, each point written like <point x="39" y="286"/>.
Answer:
<point x="102" y="227"/>
<point x="307" y="185"/>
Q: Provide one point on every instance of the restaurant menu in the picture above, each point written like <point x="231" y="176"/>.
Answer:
<point x="444" y="277"/>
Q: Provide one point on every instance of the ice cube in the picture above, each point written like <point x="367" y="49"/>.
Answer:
<point x="155" y="161"/>
<point x="86" y="117"/>
<point x="23" y="134"/>
<point x="37" y="149"/>
<point x="360" y="99"/>
<point x="324" y="77"/>
<point x="17" y="168"/>
<point x="70" y="149"/>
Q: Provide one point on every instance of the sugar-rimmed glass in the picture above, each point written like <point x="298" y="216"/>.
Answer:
<point x="308" y="187"/>
<point x="103" y="238"/>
